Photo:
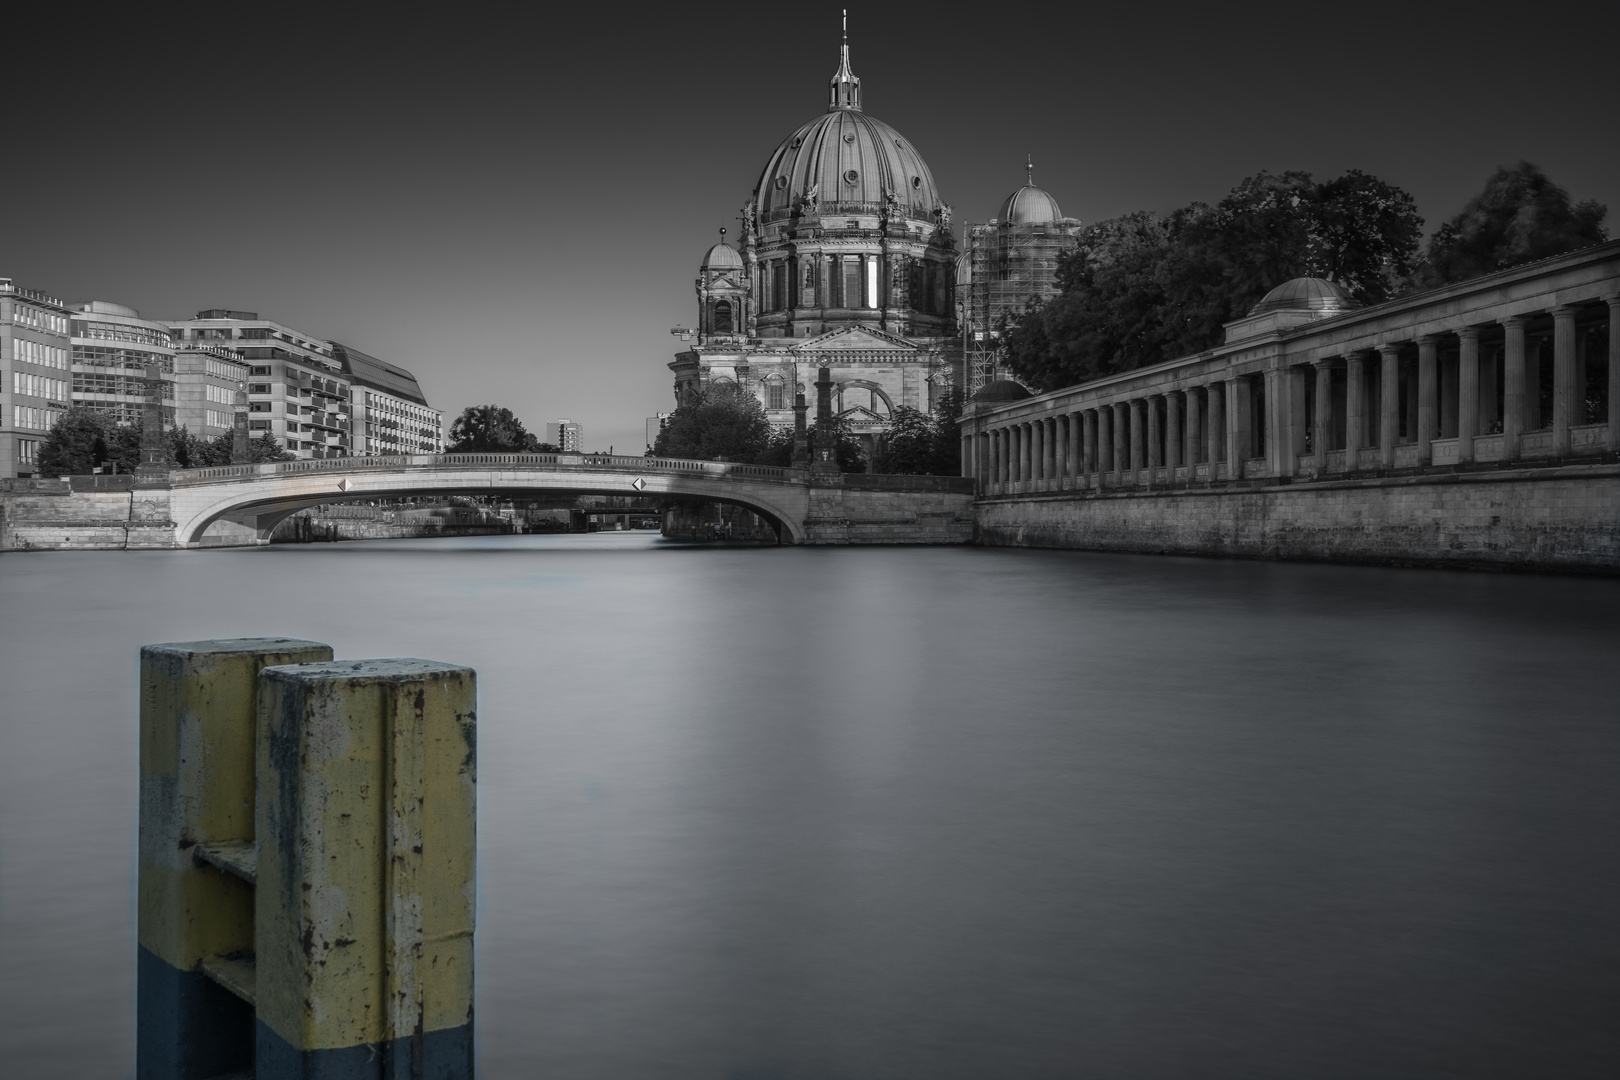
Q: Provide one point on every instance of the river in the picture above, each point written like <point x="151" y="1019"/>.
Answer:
<point x="794" y="813"/>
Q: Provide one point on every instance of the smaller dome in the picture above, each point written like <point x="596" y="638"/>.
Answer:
<point x="1002" y="390"/>
<point x="1306" y="294"/>
<point x="1030" y="205"/>
<point x="722" y="257"/>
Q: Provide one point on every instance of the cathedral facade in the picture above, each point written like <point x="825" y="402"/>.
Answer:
<point x="846" y="261"/>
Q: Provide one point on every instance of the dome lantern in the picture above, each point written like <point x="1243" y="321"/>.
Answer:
<point x="846" y="88"/>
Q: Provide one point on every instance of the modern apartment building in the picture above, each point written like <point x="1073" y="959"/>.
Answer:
<point x="391" y="414"/>
<point x="566" y="435"/>
<point x="297" y="390"/>
<point x="113" y="350"/>
<point x="206" y="378"/>
<point x="35" y="381"/>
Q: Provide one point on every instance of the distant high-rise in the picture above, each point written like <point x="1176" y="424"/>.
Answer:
<point x="655" y="424"/>
<point x="566" y="435"/>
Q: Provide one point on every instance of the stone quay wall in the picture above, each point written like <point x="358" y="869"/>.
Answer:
<point x="865" y="513"/>
<point x="1564" y="519"/>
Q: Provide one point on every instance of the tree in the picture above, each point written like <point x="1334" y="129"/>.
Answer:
<point x="926" y="444"/>
<point x="722" y="421"/>
<point x="76" y="445"/>
<point x="1142" y="288"/>
<point x="1520" y="216"/>
<point x="490" y="429"/>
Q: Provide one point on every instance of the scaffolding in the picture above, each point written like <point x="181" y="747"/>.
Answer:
<point x="1006" y="265"/>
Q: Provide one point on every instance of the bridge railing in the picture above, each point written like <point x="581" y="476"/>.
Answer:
<point x="583" y="462"/>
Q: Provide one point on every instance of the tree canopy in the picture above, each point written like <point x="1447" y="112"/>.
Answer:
<point x="1142" y="288"/>
<point x="720" y="421"/>
<point x="83" y="440"/>
<point x="923" y="443"/>
<point x="1519" y="217"/>
<point x="490" y="429"/>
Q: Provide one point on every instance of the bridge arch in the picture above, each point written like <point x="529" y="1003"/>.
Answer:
<point x="267" y="494"/>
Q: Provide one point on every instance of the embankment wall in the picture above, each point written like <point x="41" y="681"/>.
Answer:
<point x="1561" y="519"/>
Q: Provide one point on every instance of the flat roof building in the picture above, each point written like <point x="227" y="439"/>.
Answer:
<point x="35" y="379"/>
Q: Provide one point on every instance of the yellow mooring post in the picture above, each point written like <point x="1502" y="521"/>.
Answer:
<point x="198" y="708"/>
<point x="366" y="870"/>
<point x="308" y="858"/>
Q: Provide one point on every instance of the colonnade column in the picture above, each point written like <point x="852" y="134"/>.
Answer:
<point x="1614" y="372"/>
<point x="1172" y="432"/>
<point x="1104" y="423"/>
<point x="1088" y="441"/>
<point x="1513" y="403"/>
<point x="1026" y="453"/>
<point x="1467" y="392"/>
<point x="1037" y="448"/>
<point x="1389" y="404"/>
<point x="1077" y="446"/>
<point x="1324" y="414"/>
<point x="1191" y="440"/>
<point x="1355" y="409"/>
<point x="1121" y="459"/>
<point x="1051" y="459"/>
<point x="1215" y="395"/>
<point x="1428" y="396"/>
<point x="1566" y="380"/>
<point x="1237" y="426"/>
<point x="1152" y="456"/>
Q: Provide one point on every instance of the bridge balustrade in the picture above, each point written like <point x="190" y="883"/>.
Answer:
<point x="586" y="462"/>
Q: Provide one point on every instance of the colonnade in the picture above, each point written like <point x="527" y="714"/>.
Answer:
<point x="1530" y="385"/>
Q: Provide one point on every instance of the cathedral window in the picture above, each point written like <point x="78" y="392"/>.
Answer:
<point x="722" y="317"/>
<point x="778" y="286"/>
<point x="852" y="283"/>
<point x="775" y="393"/>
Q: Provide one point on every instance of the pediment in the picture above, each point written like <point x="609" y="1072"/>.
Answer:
<point x="855" y="339"/>
<point x="860" y="414"/>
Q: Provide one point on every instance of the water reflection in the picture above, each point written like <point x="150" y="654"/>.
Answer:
<point x="951" y="813"/>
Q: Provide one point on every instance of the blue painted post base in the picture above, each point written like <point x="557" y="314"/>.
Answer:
<point x="439" y="1055"/>
<point x="187" y="1027"/>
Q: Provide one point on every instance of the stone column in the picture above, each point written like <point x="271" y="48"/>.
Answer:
<point x="1122" y="454"/>
<point x="967" y="466"/>
<point x="1026" y="441"/>
<point x="1172" y="431"/>
<point x="1138" y="444"/>
<point x="1566" y="382"/>
<point x="1355" y="409"/>
<point x="1467" y="392"/>
<point x="1155" y="455"/>
<point x="1103" y="421"/>
<point x="1086" y="462"/>
<point x="1050" y="462"/>
<point x="1238" y="441"/>
<point x="1216" y="428"/>
<point x="1513" y="387"/>
<point x="1389" y="406"/>
<point x="1077" y="452"/>
<point x="1614" y="372"/>
<point x="1193" y="437"/>
<point x="1428" y="396"/>
<point x="1320" y="430"/>
<point x="1293" y="448"/>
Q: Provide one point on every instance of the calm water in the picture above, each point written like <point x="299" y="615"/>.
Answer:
<point x="799" y="813"/>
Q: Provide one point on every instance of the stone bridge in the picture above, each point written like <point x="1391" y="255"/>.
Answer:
<point x="242" y="504"/>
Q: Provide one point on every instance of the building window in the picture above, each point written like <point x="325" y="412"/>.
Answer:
<point x="775" y="393"/>
<point x="852" y="283"/>
<point x="27" y="451"/>
<point x="722" y="317"/>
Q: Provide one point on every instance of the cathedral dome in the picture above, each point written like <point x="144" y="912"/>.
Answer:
<point x="1030" y="205"/>
<point x="1306" y="294"/>
<point x="851" y="161"/>
<point x="722" y="257"/>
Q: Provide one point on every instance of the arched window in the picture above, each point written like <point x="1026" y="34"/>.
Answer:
<point x="775" y="393"/>
<point x="722" y="316"/>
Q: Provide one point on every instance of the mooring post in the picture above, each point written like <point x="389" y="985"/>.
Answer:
<point x="366" y="870"/>
<point x="197" y="795"/>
